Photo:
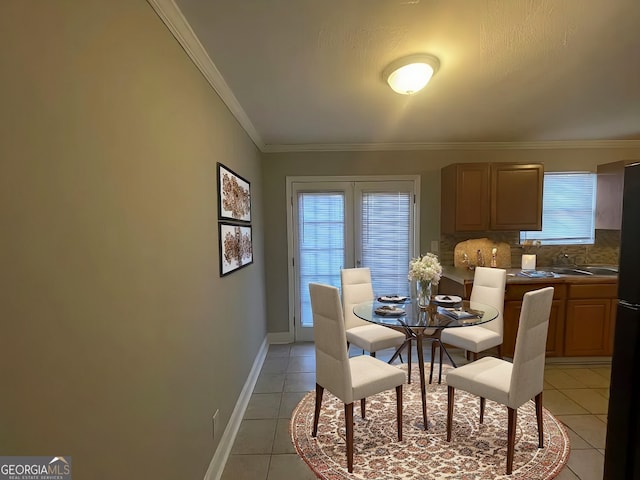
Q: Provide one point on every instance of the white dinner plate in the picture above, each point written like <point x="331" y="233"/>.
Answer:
<point x="447" y="299"/>
<point x="390" y="311"/>
<point x="392" y="299"/>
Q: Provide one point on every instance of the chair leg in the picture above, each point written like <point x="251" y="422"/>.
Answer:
<point x="482" y="402"/>
<point x="450" y="398"/>
<point x="348" y="418"/>
<point x="500" y="351"/>
<point x="511" y="437"/>
<point x="363" y="406"/>
<point x="433" y="355"/>
<point x="440" y="349"/>
<point x="399" y="410"/>
<point x="539" y="418"/>
<point x="316" y="413"/>
<point x="409" y="361"/>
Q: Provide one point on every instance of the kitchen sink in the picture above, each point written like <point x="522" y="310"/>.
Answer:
<point x="601" y="270"/>
<point x="569" y="271"/>
<point x="586" y="270"/>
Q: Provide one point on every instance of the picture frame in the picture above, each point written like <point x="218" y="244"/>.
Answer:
<point x="236" y="247"/>
<point x="234" y="195"/>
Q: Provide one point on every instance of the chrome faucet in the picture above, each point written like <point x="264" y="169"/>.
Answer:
<point x="565" y="259"/>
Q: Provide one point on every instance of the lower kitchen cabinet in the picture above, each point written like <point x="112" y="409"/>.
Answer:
<point x="582" y="319"/>
<point x="589" y="327"/>
<point x="511" y="317"/>
<point x="581" y="323"/>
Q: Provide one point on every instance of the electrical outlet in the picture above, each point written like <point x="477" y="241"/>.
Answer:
<point x="214" y="420"/>
<point x="435" y="246"/>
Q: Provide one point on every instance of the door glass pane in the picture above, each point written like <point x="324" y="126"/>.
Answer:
<point x="386" y="240"/>
<point x="321" y="243"/>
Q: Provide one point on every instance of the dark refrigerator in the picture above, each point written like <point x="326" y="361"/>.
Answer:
<point x="622" y="454"/>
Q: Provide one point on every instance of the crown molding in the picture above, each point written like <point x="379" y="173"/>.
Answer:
<point x="371" y="147"/>
<point x="179" y="27"/>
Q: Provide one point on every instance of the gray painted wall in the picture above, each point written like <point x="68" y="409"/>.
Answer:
<point x="427" y="164"/>
<point x="118" y="338"/>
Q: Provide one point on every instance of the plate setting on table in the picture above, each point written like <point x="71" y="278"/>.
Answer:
<point x="390" y="311"/>
<point x="393" y="299"/>
<point x="447" y="300"/>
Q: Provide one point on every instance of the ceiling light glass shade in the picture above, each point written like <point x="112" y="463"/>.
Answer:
<point x="411" y="74"/>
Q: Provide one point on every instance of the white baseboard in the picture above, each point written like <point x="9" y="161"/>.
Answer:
<point x="281" y="337"/>
<point x="219" y="460"/>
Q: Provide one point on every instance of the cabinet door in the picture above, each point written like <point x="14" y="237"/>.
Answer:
<point x="609" y="195"/>
<point x="465" y="198"/>
<point x="511" y="316"/>
<point x="554" y="334"/>
<point x="516" y="196"/>
<point x="588" y="327"/>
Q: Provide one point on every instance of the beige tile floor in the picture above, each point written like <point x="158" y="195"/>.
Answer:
<point x="577" y="394"/>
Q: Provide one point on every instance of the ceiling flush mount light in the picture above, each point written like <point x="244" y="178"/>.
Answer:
<point x="409" y="75"/>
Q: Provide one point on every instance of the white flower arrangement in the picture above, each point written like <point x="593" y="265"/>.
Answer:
<point x="426" y="268"/>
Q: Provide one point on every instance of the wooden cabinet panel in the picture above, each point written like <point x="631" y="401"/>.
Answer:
<point x="511" y="315"/>
<point x="516" y="196"/>
<point x="472" y="202"/>
<point x="609" y="195"/>
<point x="594" y="290"/>
<point x="555" y="333"/>
<point x="465" y="198"/>
<point x="588" y="327"/>
<point x="516" y="291"/>
<point x="491" y="196"/>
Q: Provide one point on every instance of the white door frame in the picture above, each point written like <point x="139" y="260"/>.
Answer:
<point x="291" y="253"/>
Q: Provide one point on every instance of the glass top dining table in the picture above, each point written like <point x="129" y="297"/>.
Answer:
<point x="419" y="323"/>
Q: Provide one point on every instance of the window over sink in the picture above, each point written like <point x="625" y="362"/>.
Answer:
<point x="568" y="209"/>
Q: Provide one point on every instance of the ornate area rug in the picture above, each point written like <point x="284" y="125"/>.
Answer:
<point x="476" y="452"/>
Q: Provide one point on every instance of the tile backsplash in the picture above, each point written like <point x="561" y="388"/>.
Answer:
<point x="604" y="251"/>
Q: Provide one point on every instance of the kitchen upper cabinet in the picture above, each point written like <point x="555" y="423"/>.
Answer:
<point x="609" y="195"/>
<point x="465" y="197"/>
<point x="516" y="196"/>
<point x="491" y="196"/>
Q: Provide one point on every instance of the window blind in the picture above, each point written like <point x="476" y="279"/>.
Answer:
<point x="321" y="243"/>
<point x="568" y="210"/>
<point x="386" y="232"/>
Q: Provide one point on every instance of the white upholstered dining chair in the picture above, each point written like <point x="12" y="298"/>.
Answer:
<point x="488" y="288"/>
<point x="357" y="288"/>
<point x="349" y="379"/>
<point x="510" y="384"/>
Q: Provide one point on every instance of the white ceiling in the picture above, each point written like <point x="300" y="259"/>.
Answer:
<point x="307" y="74"/>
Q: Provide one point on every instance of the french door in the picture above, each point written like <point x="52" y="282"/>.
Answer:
<point x="343" y="223"/>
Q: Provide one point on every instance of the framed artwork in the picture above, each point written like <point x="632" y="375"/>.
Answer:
<point x="236" y="248"/>
<point x="234" y="196"/>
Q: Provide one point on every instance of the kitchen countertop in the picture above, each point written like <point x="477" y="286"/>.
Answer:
<point x="462" y="276"/>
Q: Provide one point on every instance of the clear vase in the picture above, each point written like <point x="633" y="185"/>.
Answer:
<point x="423" y="290"/>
